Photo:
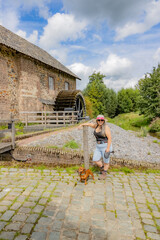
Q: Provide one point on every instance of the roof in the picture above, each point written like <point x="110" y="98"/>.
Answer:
<point x="21" y="45"/>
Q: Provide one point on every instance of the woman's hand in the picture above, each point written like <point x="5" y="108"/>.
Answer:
<point x="80" y="127"/>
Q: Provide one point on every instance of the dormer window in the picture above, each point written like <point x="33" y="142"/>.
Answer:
<point x="66" y="86"/>
<point x="51" y="83"/>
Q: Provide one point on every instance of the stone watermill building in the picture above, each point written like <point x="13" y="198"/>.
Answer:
<point x="32" y="80"/>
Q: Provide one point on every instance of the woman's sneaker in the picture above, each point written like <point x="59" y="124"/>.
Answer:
<point x="101" y="169"/>
<point x="103" y="175"/>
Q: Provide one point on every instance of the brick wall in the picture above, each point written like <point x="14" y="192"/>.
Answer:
<point x="23" y="81"/>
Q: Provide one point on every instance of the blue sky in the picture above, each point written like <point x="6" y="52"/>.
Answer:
<point x="119" y="38"/>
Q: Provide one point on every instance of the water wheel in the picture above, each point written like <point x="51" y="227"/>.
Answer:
<point x="71" y="99"/>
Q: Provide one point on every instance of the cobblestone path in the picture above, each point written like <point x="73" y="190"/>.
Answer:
<point x="54" y="205"/>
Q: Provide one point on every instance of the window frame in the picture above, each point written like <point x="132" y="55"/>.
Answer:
<point x="53" y="83"/>
<point x="67" y="85"/>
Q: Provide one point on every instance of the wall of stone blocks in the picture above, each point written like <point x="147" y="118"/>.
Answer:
<point x="24" y="81"/>
<point x="57" y="157"/>
<point x="8" y="83"/>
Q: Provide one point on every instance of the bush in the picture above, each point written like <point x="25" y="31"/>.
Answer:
<point x="19" y="125"/>
<point x="71" y="144"/>
<point x="140" y="121"/>
<point x="155" y="125"/>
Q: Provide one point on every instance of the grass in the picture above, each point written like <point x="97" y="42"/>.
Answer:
<point x="151" y="171"/>
<point x="41" y="167"/>
<point x="53" y="147"/>
<point x="71" y="144"/>
<point x="19" y="133"/>
<point x="155" y="141"/>
<point x="71" y="170"/>
<point x="2" y="127"/>
<point x="122" y="169"/>
<point x="131" y="121"/>
<point x="143" y="132"/>
<point x="94" y="169"/>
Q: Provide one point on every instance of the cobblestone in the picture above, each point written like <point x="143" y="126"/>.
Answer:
<point x="115" y="209"/>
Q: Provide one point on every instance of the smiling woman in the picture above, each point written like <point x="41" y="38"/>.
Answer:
<point x="102" y="134"/>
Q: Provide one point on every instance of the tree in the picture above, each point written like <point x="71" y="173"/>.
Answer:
<point x="103" y="99"/>
<point x="89" y="107"/>
<point x="149" y="88"/>
<point x="110" y="102"/>
<point x="127" y="100"/>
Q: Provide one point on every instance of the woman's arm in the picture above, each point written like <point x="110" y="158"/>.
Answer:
<point x="93" y="125"/>
<point x="108" y="134"/>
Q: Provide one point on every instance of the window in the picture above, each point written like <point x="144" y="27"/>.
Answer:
<point x="66" y="86"/>
<point x="51" y="83"/>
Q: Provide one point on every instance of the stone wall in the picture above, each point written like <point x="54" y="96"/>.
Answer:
<point x="8" y="83"/>
<point x="24" y="81"/>
<point x="58" y="157"/>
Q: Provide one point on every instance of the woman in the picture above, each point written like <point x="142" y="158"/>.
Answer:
<point x="103" y="137"/>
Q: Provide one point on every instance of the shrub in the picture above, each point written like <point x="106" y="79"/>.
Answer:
<point x="140" y="121"/>
<point x="155" y="125"/>
<point x="19" y="125"/>
<point x="71" y="144"/>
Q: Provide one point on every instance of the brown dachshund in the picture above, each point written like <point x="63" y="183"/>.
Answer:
<point x="84" y="174"/>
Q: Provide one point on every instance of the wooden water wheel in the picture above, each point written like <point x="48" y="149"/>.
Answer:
<point x="71" y="99"/>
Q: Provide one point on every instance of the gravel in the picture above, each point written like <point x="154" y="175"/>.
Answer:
<point x="126" y="144"/>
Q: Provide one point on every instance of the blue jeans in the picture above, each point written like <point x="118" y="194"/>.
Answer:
<point x="99" y="152"/>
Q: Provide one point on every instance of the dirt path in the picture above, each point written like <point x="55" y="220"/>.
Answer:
<point x="42" y="136"/>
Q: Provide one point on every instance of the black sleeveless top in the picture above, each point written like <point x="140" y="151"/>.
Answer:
<point x="99" y="136"/>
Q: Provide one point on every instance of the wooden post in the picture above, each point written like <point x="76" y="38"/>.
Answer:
<point x="85" y="147"/>
<point x="57" y="118"/>
<point x="72" y="118"/>
<point x="64" y="115"/>
<point x="13" y="133"/>
<point x="26" y="118"/>
<point x="45" y="115"/>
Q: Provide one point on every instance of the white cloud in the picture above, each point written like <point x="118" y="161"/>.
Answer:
<point x="9" y="19"/>
<point x="11" y="10"/>
<point x="120" y="83"/>
<point x="60" y="54"/>
<point x="156" y="55"/>
<point x="61" y="27"/>
<point x="123" y="16"/>
<point x="41" y="5"/>
<point x="80" y="68"/>
<point x="83" y="72"/>
<point x="115" y="65"/>
<point x="152" y="17"/>
<point x="114" y="68"/>
<point x="97" y="37"/>
<point x="32" y="38"/>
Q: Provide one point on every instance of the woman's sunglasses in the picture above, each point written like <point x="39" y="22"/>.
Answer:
<point x="100" y="120"/>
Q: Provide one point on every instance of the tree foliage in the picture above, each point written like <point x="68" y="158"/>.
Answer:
<point x="149" y="88"/>
<point x="103" y="99"/>
<point x="89" y="107"/>
<point x="127" y="100"/>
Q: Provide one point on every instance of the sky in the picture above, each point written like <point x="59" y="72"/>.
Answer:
<point x="118" y="38"/>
